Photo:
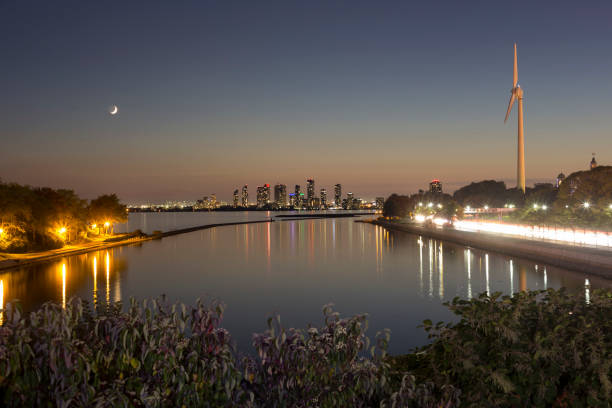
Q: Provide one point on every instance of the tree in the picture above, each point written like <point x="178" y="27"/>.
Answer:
<point x="107" y="208"/>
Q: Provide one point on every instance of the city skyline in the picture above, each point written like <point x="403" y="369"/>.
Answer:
<point x="195" y="98"/>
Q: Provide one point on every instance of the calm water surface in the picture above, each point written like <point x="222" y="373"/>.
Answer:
<point x="289" y="267"/>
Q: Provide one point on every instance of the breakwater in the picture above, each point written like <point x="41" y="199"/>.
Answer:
<point x="582" y="259"/>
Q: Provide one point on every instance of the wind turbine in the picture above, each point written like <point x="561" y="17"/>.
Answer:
<point x="517" y="93"/>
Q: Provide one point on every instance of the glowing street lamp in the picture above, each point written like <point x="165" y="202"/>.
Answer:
<point x="544" y="207"/>
<point x="439" y="205"/>
<point x="535" y="206"/>
<point x="1" y="231"/>
<point x="420" y="204"/>
<point x="430" y="205"/>
<point x="586" y="205"/>
<point x="486" y="207"/>
<point x="62" y="230"/>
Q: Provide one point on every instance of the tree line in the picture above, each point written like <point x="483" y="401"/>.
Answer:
<point x="583" y="199"/>
<point x="39" y="218"/>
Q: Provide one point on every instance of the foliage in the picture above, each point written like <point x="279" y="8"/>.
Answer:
<point x="44" y="218"/>
<point x="160" y="355"/>
<point x="442" y="205"/>
<point x="487" y="192"/>
<point x="107" y="208"/>
<point x="546" y="348"/>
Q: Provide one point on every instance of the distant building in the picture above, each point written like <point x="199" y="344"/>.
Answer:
<point x="298" y="196"/>
<point x="349" y="201"/>
<point x="245" y="196"/>
<point x="435" y="186"/>
<point x="263" y="195"/>
<point x="236" y="198"/>
<point x="593" y="162"/>
<point x="280" y="195"/>
<point x="560" y="179"/>
<point x="323" y="201"/>
<point x="310" y="193"/>
<point x="380" y="203"/>
<point x="292" y="200"/>
<point x="338" y="195"/>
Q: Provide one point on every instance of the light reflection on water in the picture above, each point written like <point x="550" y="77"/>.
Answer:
<point x="293" y="267"/>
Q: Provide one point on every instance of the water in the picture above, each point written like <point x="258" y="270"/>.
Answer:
<point x="293" y="268"/>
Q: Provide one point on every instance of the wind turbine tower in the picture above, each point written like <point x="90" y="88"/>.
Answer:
<point x="517" y="93"/>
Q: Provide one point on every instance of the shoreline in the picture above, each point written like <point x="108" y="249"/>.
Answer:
<point x="587" y="260"/>
<point x="50" y="255"/>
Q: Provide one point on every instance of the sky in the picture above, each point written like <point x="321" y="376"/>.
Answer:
<point x="380" y="96"/>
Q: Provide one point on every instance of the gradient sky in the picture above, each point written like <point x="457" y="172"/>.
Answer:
<point x="380" y="96"/>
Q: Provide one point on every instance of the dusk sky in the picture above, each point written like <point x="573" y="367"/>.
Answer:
<point x="380" y="96"/>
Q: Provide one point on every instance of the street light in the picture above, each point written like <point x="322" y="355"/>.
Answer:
<point x="420" y="204"/>
<point x="486" y="207"/>
<point x="535" y="206"/>
<point x="430" y="205"/>
<point x="544" y="207"/>
<point x="586" y="205"/>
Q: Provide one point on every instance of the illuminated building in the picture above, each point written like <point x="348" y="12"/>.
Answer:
<point x="349" y="201"/>
<point x="380" y="202"/>
<point x="298" y="196"/>
<point x="310" y="193"/>
<point x="593" y="162"/>
<point x="560" y="179"/>
<point x="323" y="201"/>
<point x="236" y="198"/>
<point x="245" y="196"/>
<point x="435" y="186"/>
<point x="338" y="195"/>
<point x="280" y="195"/>
<point x="263" y="195"/>
<point x="292" y="199"/>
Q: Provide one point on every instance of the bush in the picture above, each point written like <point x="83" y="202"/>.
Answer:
<point x="545" y="348"/>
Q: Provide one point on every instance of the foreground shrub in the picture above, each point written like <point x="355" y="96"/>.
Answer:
<point x="160" y="355"/>
<point x="545" y="348"/>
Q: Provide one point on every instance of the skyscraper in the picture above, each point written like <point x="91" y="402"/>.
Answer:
<point x="349" y="201"/>
<point x="298" y="196"/>
<point x="245" y="196"/>
<point x="380" y="203"/>
<point x="435" y="186"/>
<point x="323" y="201"/>
<point x="236" y="198"/>
<point x="338" y="195"/>
<point x="280" y="195"/>
<point x="263" y="195"/>
<point x="310" y="193"/>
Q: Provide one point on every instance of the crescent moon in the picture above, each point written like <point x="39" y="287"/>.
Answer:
<point x="114" y="110"/>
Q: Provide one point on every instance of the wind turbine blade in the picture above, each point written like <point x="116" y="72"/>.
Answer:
<point x="515" y="77"/>
<point x="509" y="107"/>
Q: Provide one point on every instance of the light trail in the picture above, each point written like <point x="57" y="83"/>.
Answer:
<point x="565" y="235"/>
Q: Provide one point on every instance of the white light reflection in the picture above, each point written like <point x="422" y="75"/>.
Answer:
<point x="487" y="273"/>
<point x="441" y="271"/>
<point x="468" y="259"/>
<point x="511" y="279"/>
<point x="431" y="261"/>
<point x="587" y="291"/>
<point x="420" y="241"/>
<point x="545" y="279"/>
